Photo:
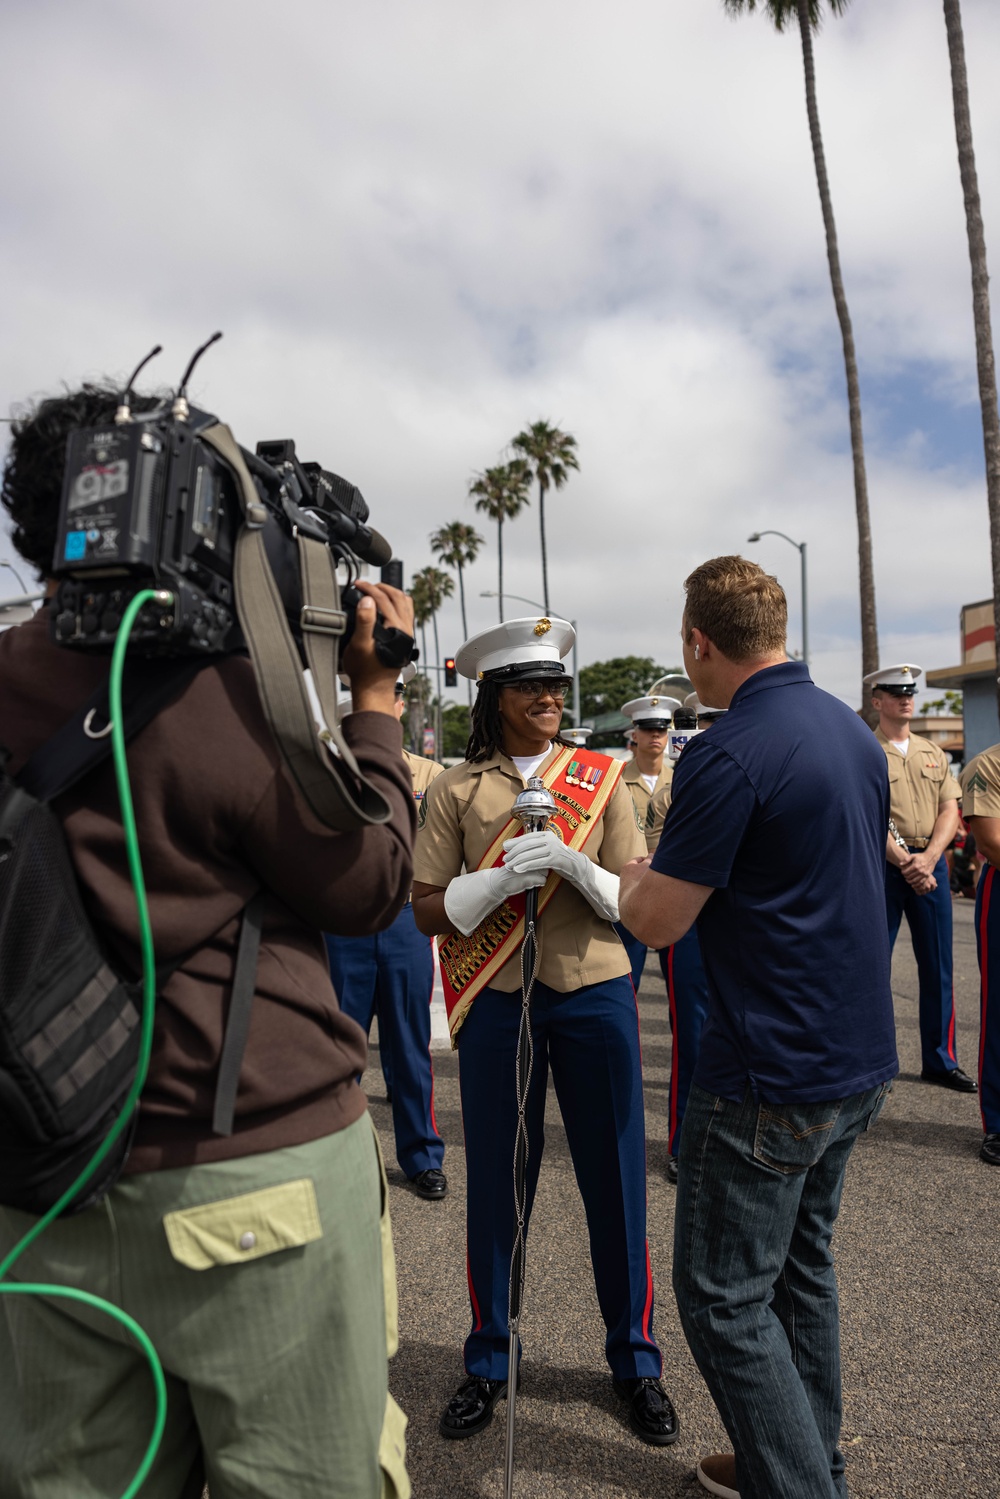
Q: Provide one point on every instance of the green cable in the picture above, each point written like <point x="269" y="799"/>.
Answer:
<point x="24" y="1288"/>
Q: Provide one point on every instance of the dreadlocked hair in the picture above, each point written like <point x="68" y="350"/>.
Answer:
<point x="486" y="738"/>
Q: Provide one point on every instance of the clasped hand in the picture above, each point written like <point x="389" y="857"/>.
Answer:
<point x="917" y="872"/>
<point x="542" y="852"/>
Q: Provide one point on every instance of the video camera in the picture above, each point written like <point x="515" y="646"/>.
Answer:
<point x="147" y="501"/>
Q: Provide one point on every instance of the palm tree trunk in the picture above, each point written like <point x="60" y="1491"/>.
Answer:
<point x="985" y="362"/>
<point x="465" y="622"/>
<point x="869" y="625"/>
<point x="500" y="564"/>
<point x="437" y="720"/>
<point x="545" y="559"/>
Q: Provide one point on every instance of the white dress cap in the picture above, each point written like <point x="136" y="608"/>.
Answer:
<point x="517" y="642"/>
<point x="654" y="709"/>
<point x="691" y="701"/>
<point x="894" y="676"/>
<point x="578" y="737"/>
<point x="406" y="675"/>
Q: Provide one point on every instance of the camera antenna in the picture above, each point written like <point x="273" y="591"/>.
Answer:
<point x="123" y="414"/>
<point x="181" y="409"/>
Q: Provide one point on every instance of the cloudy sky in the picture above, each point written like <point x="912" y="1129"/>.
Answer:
<point x="423" y="224"/>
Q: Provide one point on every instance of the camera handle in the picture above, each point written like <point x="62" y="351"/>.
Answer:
<point x="334" y="788"/>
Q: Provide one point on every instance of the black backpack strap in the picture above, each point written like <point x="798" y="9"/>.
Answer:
<point x="238" y="1019"/>
<point x="84" y="741"/>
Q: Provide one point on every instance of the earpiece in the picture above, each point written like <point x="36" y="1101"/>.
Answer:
<point x="697" y="653"/>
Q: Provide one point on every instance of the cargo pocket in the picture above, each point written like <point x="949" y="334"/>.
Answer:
<point x="792" y="1137"/>
<point x="392" y="1453"/>
<point x="248" y="1227"/>
<point x="388" y="1259"/>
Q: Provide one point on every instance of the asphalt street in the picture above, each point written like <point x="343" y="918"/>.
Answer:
<point x="918" y="1258"/>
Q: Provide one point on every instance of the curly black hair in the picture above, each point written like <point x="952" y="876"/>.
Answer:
<point x="486" y="738"/>
<point x="33" y="469"/>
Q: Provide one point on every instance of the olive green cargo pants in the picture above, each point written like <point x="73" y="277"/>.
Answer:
<point x="261" y="1284"/>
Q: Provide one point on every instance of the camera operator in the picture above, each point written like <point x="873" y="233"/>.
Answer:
<point x="254" y="1260"/>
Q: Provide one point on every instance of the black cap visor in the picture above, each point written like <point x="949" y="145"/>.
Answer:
<point x="896" y="689"/>
<point x="530" y="671"/>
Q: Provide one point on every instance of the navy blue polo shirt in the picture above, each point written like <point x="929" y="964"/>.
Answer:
<point x="783" y="807"/>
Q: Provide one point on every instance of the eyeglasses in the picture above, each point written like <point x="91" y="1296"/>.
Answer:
<point x="541" y="687"/>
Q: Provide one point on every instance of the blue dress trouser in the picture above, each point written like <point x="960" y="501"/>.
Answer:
<point x="590" y="1039"/>
<point x="929" y="919"/>
<point x="395" y="970"/>
<point x="988" y="948"/>
<point x="636" y="952"/>
<point x="687" y="998"/>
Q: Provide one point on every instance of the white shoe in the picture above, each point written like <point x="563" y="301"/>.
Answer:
<point x="717" y="1474"/>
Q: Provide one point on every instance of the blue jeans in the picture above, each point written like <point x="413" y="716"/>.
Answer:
<point x="757" y="1196"/>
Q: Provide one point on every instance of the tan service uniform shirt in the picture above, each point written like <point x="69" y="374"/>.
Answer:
<point x="658" y="804"/>
<point x="920" y="782"/>
<point x="981" y="784"/>
<point x="643" y="798"/>
<point x="423" y="772"/>
<point x="462" y="813"/>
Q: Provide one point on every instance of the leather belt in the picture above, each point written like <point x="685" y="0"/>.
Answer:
<point x="917" y="845"/>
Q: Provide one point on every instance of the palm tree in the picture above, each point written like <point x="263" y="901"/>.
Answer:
<point x="502" y="493"/>
<point x="809" y="13"/>
<point x="433" y="587"/>
<point x="421" y="614"/>
<point x="458" y="544"/>
<point x="980" y="292"/>
<point x="550" y="455"/>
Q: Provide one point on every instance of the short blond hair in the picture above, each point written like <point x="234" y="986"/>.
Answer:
<point x="740" y="607"/>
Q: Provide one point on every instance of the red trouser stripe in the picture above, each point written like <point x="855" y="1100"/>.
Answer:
<point x="674" y="1048"/>
<point x="984" y="965"/>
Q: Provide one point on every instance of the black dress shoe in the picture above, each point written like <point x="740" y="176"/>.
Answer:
<point x="432" y="1184"/>
<point x="470" y="1409"/>
<point x="650" y="1413"/>
<point x="957" y="1080"/>
<point x="672" y="1170"/>
<point x="989" y="1151"/>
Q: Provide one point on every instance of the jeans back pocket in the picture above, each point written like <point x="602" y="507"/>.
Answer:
<point x="791" y="1137"/>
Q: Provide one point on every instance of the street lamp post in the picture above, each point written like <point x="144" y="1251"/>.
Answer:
<point x="801" y="548"/>
<point x="491" y="593"/>
<point x="5" y="563"/>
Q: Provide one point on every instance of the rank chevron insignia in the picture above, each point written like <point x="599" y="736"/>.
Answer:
<point x="978" y="782"/>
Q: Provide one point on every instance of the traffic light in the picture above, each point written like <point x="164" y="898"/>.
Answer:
<point x="450" y="674"/>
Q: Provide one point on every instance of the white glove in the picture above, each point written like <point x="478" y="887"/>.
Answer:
<point x="546" y="851"/>
<point x="471" y="897"/>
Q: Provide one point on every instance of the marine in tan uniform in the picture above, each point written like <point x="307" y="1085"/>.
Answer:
<point x="647" y="773"/>
<point x="924" y="798"/>
<point x="584" y="1021"/>
<point x="981" y="809"/>
<point x="391" y="974"/>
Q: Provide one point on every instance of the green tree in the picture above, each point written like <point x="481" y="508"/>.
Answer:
<point x="455" y="720"/>
<point x="433" y="587"/>
<point x="985" y="362"/>
<point x="457" y="545"/>
<point x="550" y="454"/>
<point x="502" y="493"/>
<point x="808" y="14"/>
<point x="605" y="685"/>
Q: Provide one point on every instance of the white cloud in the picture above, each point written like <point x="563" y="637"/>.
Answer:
<point x="422" y="226"/>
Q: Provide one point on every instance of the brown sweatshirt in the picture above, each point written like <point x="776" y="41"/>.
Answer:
<point x="217" y="821"/>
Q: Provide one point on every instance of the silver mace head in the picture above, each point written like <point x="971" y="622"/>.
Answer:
<point x="535" y="805"/>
